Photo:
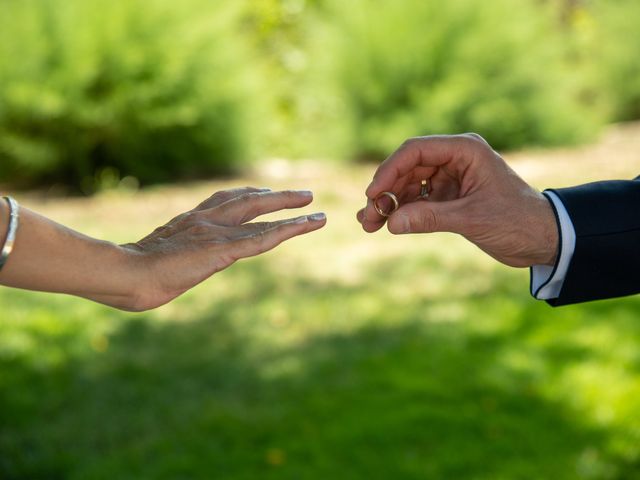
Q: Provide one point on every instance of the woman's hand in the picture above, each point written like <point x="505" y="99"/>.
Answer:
<point x="193" y="246"/>
<point x="474" y="193"/>
<point x="196" y="244"/>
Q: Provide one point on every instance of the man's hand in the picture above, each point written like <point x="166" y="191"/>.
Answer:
<point x="474" y="193"/>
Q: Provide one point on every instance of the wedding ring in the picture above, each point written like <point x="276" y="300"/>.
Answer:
<point x="425" y="188"/>
<point x="380" y="210"/>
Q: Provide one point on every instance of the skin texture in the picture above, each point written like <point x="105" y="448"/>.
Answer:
<point x="163" y="265"/>
<point x="474" y="193"/>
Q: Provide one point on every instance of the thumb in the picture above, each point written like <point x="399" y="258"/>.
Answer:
<point x="427" y="217"/>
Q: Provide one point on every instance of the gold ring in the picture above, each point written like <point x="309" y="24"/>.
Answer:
<point x="393" y="198"/>
<point x="425" y="188"/>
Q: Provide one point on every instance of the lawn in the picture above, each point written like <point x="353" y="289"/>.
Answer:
<point x="340" y="355"/>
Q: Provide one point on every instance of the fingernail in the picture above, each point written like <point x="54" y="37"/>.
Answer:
<point x="317" y="217"/>
<point x="305" y="193"/>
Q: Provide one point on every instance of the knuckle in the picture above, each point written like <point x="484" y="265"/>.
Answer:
<point x="193" y="217"/>
<point x="222" y="196"/>
<point x="178" y="218"/>
<point x="394" y="225"/>
<point x="250" y="197"/>
<point x="431" y="222"/>
<point x="410" y="142"/>
<point x="243" y="205"/>
<point x="259" y="227"/>
<point x="199" y="228"/>
<point x="250" y="203"/>
<point x="289" y="194"/>
<point x="426" y="222"/>
<point x="184" y="218"/>
<point x="474" y="138"/>
<point x="258" y="237"/>
<point x="222" y="236"/>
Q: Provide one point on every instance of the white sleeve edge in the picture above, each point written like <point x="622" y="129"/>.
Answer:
<point x="546" y="281"/>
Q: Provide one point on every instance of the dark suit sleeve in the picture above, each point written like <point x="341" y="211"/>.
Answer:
<point x="606" y="259"/>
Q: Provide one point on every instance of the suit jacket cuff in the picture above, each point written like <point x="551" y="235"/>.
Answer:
<point x="605" y="262"/>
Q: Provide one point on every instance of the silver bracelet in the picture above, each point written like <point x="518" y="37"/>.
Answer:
<point x="14" y="217"/>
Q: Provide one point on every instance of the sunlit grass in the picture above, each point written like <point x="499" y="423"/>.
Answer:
<point x="340" y="354"/>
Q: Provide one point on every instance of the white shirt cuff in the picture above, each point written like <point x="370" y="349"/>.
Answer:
<point x="546" y="281"/>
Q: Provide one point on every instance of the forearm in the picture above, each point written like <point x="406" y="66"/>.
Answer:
<point x="50" y="257"/>
<point x="163" y="265"/>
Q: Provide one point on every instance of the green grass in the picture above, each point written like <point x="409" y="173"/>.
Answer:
<point x="340" y="355"/>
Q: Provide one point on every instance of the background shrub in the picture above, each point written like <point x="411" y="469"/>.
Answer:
<point x="297" y="94"/>
<point x="95" y="90"/>
<point x="414" y="67"/>
<point x="147" y="88"/>
<point x="615" y="52"/>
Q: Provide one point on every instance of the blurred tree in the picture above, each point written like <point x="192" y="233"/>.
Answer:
<point x="416" y="67"/>
<point x="151" y="89"/>
<point x="280" y="32"/>
<point x="616" y="46"/>
<point x="96" y="90"/>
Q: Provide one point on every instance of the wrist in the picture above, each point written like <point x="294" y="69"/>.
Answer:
<point x="138" y="278"/>
<point x="549" y="233"/>
<point x="120" y="281"/>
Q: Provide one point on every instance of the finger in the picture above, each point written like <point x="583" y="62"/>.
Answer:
<point x="404" y="185"/>
<point x="370" y="219"/>
<point x="248" y="206"/>
<point x="455" y="151"/>
<point x="256" y="238"/>
<point x="369" y="216"/>
<point x="360" y="216"/>
<point x="223" y="196"/>
<point x="427" y="217"/>
<point x="259" y="228"/>
<point x="369" y="226"/>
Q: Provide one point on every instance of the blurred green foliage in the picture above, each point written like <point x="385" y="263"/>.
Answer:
<point x="152" y="89"/>
<point x="614" y="37"/>
<point x="418" y="67"/>
<point x="338" y="355"/>
<point x="163" y="90"/>
<point x="318" y="379"/>
<point x="292" y="119"/>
